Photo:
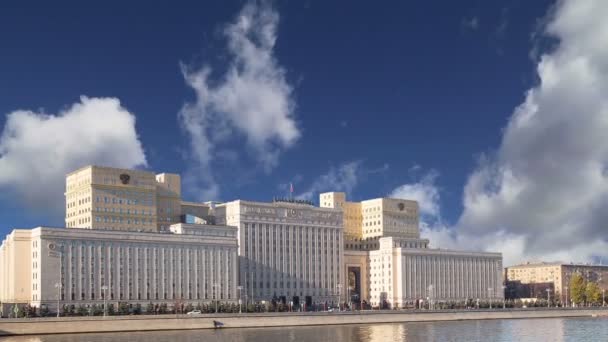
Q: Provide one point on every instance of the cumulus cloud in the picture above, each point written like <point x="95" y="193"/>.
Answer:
<point x="342" y="178"/>
<point x="38" y="149"/>
<point x="425" y="192"/>
<point x="428" y="195"/>
<point x="544" y="194"/>
<point x="252" y="100"/>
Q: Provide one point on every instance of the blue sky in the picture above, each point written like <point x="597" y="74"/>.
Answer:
<point x="368" y="99"/>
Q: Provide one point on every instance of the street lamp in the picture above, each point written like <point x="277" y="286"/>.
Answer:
<point x="603" y="297"/>
<point x="239" y="288"/>
<point x="430" y="295"/>
<point x="58" y="287"/>
<point x="339" y="286"/>
<point x="548" y="297"/>
<point x="105" y="296"/>
<point x="504" y="306"/>
<point x="490" y="296"/>
<point x="567" y="302"/>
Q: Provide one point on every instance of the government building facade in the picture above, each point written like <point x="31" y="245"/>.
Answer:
<point x="389" y="265"/>
<point x="50" y="266"/>
<point x="129" y="237"/>
<point x="289" y="250"/>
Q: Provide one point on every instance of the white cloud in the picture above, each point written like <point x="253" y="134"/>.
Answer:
<point x="428" y="195"/>
<point x="252" y="99"/>
<point x="425" y="192"/>
<point x="544" y="194"/>
<point x="37" y="150"/>
<point x="342" y="178"/>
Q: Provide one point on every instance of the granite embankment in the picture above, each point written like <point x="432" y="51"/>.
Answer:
<point x="39" y="326"/>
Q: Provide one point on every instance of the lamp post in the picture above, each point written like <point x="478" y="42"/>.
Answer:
<point x="548" y="297"/>
<point x="239" y="288"/>
<point x="58" y="287"/>
<point x="105" y="296"/>
<point x="504" y="306"/>
<point x="430" y="295"/>
<point x="490" y="296"/>
<point x="339" y="286"/>
<point x="567" y="302"/>
<point x="603" y="297"/>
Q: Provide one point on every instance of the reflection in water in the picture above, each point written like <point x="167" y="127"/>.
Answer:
<point x="521" y="330"/>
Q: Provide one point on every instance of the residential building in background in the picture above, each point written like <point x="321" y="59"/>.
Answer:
<point x="532" y="280"/>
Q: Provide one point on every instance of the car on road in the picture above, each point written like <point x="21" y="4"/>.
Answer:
<point x="194" y="312"/>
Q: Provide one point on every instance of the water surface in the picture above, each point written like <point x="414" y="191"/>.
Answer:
<point x="520" y="330"/>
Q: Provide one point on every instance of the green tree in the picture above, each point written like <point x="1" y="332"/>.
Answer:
<point x="593" y="293"/>
<point x="137" y="309"/>
<point x="123" y="308"/>
<point x="82" y="310"/>
<point x="96" y="310"/>
<point x="150" y="309"/>
<point x="577" y="288"/>
<point x="111" y="310"/>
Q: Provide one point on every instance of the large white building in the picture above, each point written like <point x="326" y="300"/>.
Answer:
<point x="43" y="265"/>
<point x="387" y="264"/>
<point x="403" y="271"/>
<point x="127" y="237"/>
<point x="289" y="250"/>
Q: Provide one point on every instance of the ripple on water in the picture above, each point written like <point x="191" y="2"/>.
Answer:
<point x="520" y="330"/>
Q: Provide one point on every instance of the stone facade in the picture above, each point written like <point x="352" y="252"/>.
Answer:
<point x="288" y="251"/>
<point x="41" y="265"/>
<point x="402" y="274"/>
<point x="390" y="265"/>
<point x="119" y="199"/>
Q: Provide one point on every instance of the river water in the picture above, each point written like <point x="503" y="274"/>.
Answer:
<point x="519" y="330"/>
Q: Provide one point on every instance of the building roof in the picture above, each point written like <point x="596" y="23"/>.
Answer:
<point x="554" y="263"/>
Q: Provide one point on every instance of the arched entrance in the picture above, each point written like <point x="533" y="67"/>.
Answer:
<point x="354" y="287"/>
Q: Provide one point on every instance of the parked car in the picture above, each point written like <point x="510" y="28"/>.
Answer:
<point x="194" y="312"/>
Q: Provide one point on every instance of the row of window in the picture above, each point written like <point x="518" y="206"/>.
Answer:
<point x="128" y="201"/>
<point x="120" y="220"/>
<point x="121" y="211"/>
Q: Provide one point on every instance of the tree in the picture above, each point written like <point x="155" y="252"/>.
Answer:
<point x="577" y="288"/>
<point x="111" y="309"/>
<point x="150" y="309"/>
<point x="123" y="308"/>
<point x="30" y="311"/>
<point x="593" y="293"/>
<point x="82" y="310"/>
<point x="96" y="310"/>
